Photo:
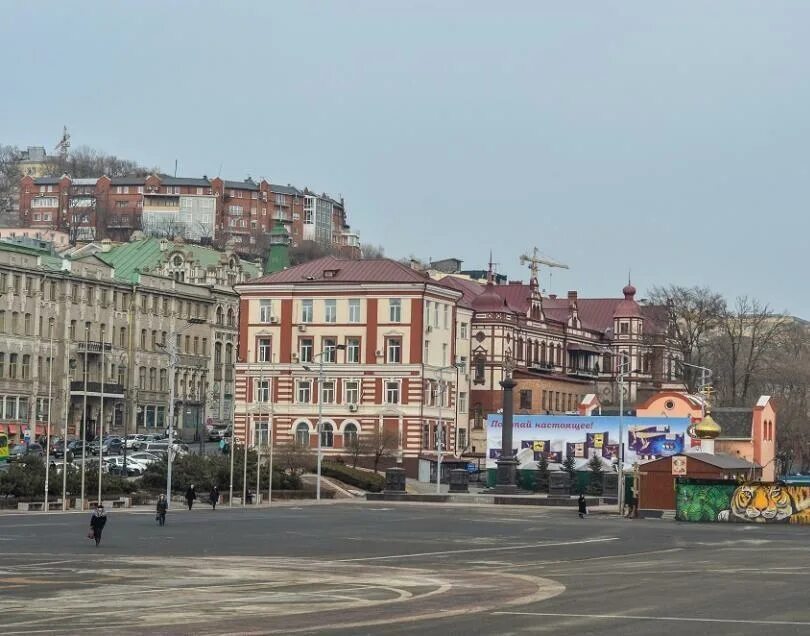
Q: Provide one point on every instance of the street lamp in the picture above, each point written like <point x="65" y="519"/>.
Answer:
<point x="440" y="427"/>
<point x="48" y="432"/>
<point x="319" y="357"/>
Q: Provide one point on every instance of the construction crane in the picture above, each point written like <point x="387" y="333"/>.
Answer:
<point x="64" y="143"/>
<point x="534" y="261"/>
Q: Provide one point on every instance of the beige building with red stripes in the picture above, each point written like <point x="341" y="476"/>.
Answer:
<point x="372" y="344"/>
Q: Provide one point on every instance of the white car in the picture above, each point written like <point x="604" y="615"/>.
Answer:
<point x="134" y="467"/>
<point x="143" y="457"/>
<point x="133" y="439"/>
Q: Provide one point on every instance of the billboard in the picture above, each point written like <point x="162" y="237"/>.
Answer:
<point x="583" y="437"/>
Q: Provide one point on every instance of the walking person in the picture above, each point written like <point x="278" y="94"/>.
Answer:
<point x="97" y="523"/>
<point x="191" y="495"/>
<point x="632" y="505"/>
<point x="214" y="496"/>
<point x="583" y="508"/>
<point x="162" y="507"/>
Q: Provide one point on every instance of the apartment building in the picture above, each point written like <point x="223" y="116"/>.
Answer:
<point x="371" y="345"/>
<point x="89" y="339"/>
<point x="211" y="211"/>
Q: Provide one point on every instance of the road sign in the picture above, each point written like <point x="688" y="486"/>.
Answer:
<point x="472" y="468"/>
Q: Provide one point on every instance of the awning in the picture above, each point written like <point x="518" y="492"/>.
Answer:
<point x="12" y="428"/>
<point x="576" y="346"/>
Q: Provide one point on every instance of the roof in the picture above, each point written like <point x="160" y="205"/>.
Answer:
<point x="734" y="422"/>
<point x="240" y="185"/>
<point x="136" y="181"/>
<point x="723" y="461"/>
<point x="166" y="179"/>
<point x="345" y="270"/>
<point x="469" y="289"/>
<point x="47" y="180"/>
<point x="284" y="189"/>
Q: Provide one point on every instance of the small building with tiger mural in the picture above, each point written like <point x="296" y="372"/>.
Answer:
<point x="747" y="502"/>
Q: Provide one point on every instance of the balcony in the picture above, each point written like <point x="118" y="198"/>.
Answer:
<point x="582" y="372"/>
<point x="542" y="367"/>
<point x="92" y="346"/>
<point x="111" y="390"/>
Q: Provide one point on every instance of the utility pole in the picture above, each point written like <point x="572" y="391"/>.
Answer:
<point x="84" y="413"/>
<point x="48" y="432"/>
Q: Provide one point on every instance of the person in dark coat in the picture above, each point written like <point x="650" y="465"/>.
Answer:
<point x="162" y="507"/>
<point x="214" y="496"/>
<point x="583" y="508"/>
<point x="191" y="495"/>
<point x="97" y="523"/>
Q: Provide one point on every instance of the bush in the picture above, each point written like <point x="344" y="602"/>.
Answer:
<point x="363" y="479"/>
<point x="26" y="479"/>
<point x="595" y="483"/>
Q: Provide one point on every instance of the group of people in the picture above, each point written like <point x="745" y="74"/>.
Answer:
<point x="631" y="505"/>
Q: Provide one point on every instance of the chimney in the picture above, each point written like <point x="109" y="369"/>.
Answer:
<point x="164" y="245"/>
<point x="106" y="245"/>
<point x="572" y="295"/>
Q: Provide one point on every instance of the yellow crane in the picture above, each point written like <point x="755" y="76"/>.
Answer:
<point x="537" y="259"/>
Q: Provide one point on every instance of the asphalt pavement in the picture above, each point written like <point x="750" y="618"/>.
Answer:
<point x="354" y="568"/>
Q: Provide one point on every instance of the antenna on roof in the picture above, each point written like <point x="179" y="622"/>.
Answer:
<point x="175" y="168"/>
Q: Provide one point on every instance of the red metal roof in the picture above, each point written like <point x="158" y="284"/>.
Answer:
<point x="345" y="270"/>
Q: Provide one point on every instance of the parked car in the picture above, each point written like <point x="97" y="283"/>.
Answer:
<point x="217" y="433"/>
<point x="115" y="466"/>
<point x="143" y="457"/>
<point x="151" y="447"/>
<point x="75" y="447"/>
<point x="133" y="439"/>
<point x="21" y="450"/>
<point x="112" y="446"/>
<point x="148" y="438"/>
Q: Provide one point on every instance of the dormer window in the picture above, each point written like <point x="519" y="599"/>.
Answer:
<point x="330" y="273"/>
<point x="177" y="260"/>
<point x="624" y="328"/>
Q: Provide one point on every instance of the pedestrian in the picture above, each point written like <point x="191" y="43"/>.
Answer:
<point x="632" y="505"/>
<point x="162" y="507"/>
<point x="191" y="495"/>
<point x="214" y="496"/>
<point x="583" y="508"/>
<point x="97" y="523"/>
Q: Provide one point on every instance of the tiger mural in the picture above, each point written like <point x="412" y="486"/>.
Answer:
<point x="768" y="503"/>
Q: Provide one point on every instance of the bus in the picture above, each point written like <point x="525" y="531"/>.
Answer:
<point x="3" y="447"/>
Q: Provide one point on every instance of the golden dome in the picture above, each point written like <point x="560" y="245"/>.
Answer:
<point x="707" y="428"/>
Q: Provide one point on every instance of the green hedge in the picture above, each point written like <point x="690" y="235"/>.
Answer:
<point x="363" y="479"/>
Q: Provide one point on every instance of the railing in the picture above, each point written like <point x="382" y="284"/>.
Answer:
<point x="584" y="373"/>
<point x="93" y="346"/>
<point x="543" y="367"/>
<point x="110" y="388"/>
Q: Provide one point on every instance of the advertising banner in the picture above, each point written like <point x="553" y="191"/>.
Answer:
<point x="583" y="437"/>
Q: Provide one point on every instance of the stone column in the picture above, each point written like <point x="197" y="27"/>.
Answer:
<point x="506" y="482"/>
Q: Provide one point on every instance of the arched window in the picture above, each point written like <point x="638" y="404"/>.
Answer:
<point x="542" y="353"/>
<point x="220" y="315"/>
<point x="231" y="319"/>
<point x="480" y="369"/>
<point x="529" y="353"/>
<point x="349" y="435"/>
<point x="302" y="434"/>
<point x="327" y="435"/>
<point x="520" y="349"/>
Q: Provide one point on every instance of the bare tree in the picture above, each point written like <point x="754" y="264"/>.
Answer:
<point x="88" y="162"/>
<point x="695" y="312"/>
<point x="367" y="250"/>
<point x="382" y="443"/>
<point x="294" y="458"/>
<point x="743" y="349"/>
<point x="10" y="175"/>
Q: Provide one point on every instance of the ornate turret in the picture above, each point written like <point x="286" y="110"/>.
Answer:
<point x="278" y="253"/>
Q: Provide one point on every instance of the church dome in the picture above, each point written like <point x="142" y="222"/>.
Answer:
<point x="489" y="301"/>
<point x="707" y="428"/>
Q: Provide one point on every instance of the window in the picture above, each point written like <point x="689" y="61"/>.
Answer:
<point x="265" y="311"/>
<point x="354" y="310"/>
<point x="447" y="316"/>
<point x="352" y="349"/>
<point x="142" y="378"/>
<point x="143" y="339"/>
<point x="122" y="337"/>
<point x="327" y="435"/>
<point x="263" y="391"/>
<point x="264" y="350"/>
<point x="152" y="378"/>
<point x="462" y="438"/>
<point x="462" y="330"/>
<point x="26" y="367"/>
<point x="304" y="393"/>
<point x="305" y="349"/>
<point x="28" y="325"/>
<point x="352" y="388"/>
<point x="395" y="310"/>
<point x="164" y="379"/>
<point x="349" y="435"/>
<point x="154" y="339"/>
<point x="329" y="348"/>
<point x="52" y="291"/>
<point x="444" y="354"/>
<point x="15" y="321"/>
<point x="480" y="366"/>
<point x="330" y="310"/>
<point x="2" y="365"/>
<point x="328" y="392"/>
<point x="526" y="399"/>
<point x="302" y="434"/>
<point x="196" y="345"/>
<point x="261" y="432"/>
<point x="462" y="364"/>
<point x="2" y="321"/>
<point x="91" y="296"/>
<point x="306" y="311"/>
<point x="462" y="402"/>
<point x="12" y="366"/>
<point x="393" y="348"/>
<point x="392" y="392"/>
<point x="435" y="314"/>
<point x="73" y="330"/>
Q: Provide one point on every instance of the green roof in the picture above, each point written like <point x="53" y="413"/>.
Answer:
<point x="144" y="255"/>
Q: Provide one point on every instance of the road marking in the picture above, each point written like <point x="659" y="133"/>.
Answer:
<point x="471" y="550"/>
<point x="680" y="619"/>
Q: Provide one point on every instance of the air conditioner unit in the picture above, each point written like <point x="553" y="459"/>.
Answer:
<point x="353" y="408"/>
<point x="302" y="328"/>
<point x="273" y="319"/>
<point x="379" y="353"/>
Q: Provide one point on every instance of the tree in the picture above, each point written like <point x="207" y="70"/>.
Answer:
<point x="382" y="443"/>
<point x="569" y="465"/>
<point x="367" y="250"/>
<point x="86" y="162"/>
<point x="294" y="458"/>
<point x="541" y="480"/>
<point x="595" y="482"/>
<point x="10" y="175"/>
<point x="694" y="314"/>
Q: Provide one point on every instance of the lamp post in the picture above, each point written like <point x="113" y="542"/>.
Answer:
<point x="48" y="430"/>
<point x="507" y="462"/>
<point x="101" y="418"/>
<point x="84" y="414"/>
<point x="319" y="357"/>
<point x="440" y="429"/>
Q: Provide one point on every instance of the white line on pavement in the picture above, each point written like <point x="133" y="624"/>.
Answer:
<point x="684" y="619"/>
<point x="471" y="550"/>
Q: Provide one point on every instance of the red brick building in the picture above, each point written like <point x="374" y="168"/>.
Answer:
<point x="387" y="337"/>
<point x="204" y="210"/>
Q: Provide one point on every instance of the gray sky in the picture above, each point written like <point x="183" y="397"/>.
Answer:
<point x="667" y="138"/>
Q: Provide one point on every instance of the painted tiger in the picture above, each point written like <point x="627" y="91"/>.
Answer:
<point x="768" y="503"/>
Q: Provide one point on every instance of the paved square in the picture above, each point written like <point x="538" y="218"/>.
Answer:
<point x="365" y="568"/>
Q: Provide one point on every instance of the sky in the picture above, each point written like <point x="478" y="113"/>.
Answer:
<point x="665" y="139"/>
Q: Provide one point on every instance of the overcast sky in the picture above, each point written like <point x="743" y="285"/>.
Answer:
<point x="670" y="139"/>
